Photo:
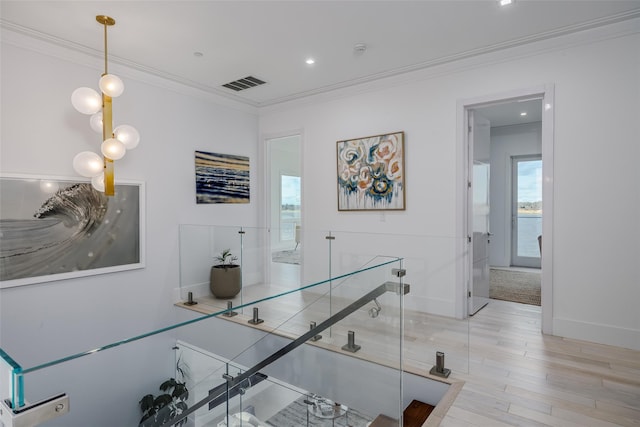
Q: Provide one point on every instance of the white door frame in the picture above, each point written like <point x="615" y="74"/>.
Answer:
<point x="464" y="272"/>
<point x="265" y="195"/>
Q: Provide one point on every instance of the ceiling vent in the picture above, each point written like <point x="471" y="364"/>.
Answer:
<point x="245" y="83"/>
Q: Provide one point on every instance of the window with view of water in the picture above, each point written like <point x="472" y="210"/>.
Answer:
<point x="289" y="206"/>
<point x="527" y="212"/>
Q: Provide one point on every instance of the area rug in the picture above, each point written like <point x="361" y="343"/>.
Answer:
<point x="516" y="286"/>
<point x="287" y="257"/>
<point x="295" y="415"/>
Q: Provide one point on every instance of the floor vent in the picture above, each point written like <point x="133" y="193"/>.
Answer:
<point x="245" y="83"/>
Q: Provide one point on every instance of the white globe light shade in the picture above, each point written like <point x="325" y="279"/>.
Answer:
<point x="88" y="164"/>
<point x="86" y="100"/>
<point x="128" y="135"/>
<point x="48" y="187"/>
<point x="98" y="182"/>
<point x="113" y="149"/>
<point x="111" y="85"/>
<point x="96" y="122"/>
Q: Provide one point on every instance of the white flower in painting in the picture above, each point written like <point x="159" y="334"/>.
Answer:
<point x="387" y="148"/>
<point x="394" y="169"/>
<point x="352" y="152"/>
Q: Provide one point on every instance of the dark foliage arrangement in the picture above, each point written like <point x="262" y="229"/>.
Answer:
<point x="159" y="410"/>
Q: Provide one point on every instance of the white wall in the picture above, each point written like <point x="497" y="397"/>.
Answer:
<point x="507" y="141"/>
<point x="596" y="234"/>
<point x="41" y="133"/>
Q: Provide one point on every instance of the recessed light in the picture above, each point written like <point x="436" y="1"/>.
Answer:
<point x="310" y="61"/>
<point x="505" y="2"/>
<point x="524" y="113"/>
<point x="198" y="54"/>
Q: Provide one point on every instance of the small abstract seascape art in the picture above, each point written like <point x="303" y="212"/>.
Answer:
<point x="371" y="173"/>
<point x="221" y="178"/>
<point x="62" y="228"/>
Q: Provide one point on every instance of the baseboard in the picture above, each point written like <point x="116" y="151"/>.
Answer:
<point x="198" y="290"/>
<point x="436" y="306"/>
<point x="598" y="333"/>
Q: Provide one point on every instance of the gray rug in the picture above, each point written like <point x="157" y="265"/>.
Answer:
<point x="516" y="286"/>
<point x="295" y="415"/>
<point x="287" y="257"/>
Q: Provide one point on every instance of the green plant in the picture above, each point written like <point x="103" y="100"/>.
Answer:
<point x="159" y="410"/>
<point x="226" y="258"/>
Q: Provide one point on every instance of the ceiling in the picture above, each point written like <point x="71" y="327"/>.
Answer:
<point x="205" y="44"/>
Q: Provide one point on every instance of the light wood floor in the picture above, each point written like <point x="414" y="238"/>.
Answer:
<point x="514" y="375"/>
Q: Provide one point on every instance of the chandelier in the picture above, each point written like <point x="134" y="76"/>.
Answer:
<point x="115" y="141"/>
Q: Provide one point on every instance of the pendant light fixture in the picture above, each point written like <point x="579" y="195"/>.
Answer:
<point x="115" y="141"/>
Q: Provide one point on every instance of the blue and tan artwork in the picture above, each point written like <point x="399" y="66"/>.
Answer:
<point x="371" y="173"/>
<point x="221" y="178"/>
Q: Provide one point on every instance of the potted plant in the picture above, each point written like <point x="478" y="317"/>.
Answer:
<point x="225" y="280"/>
<point x="157" y="411"/>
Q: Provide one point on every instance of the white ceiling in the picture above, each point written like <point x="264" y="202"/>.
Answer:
<point x="271" y="39"/>
<point x="513" y="113"/>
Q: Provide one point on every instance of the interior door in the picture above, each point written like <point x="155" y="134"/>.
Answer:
<point x="480" y="151"/>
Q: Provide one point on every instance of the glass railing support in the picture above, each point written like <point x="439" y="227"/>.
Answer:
<point x="11" y="381"/>
<point x="36" y="413"/>
<point x="232" y="382"/>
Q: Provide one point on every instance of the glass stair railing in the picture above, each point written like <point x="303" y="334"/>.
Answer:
<point x="225" y="373"/>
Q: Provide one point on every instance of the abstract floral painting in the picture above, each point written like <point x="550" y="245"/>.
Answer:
<point x="221" y="178"/>
<point x="371" y="173"/>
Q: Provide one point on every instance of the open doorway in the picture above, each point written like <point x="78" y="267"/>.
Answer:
<point x="519" y="158"/>
<point x="285" y="210"/>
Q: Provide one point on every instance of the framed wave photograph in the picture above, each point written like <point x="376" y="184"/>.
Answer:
<point x="371" y="173"/>
<point x="62" y="228"/>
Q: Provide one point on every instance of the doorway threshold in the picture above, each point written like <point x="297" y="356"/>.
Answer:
<point x="477" y="304"/>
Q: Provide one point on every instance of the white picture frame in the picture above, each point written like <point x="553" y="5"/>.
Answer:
<point x="57" y="228"/>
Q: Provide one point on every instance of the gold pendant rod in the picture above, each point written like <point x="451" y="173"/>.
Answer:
<point x="107" y="132"/>
<point x="107" y="115"/>
<point x="107" y="21"/>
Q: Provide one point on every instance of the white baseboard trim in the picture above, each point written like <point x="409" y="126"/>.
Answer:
<point x="199" y="290"/>
<point x="436" y="306"/>
<point x="598" y="333"/>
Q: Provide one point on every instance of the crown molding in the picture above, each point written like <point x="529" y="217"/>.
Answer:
<point x="45" y="44"/>
<point x="586" y="33"/>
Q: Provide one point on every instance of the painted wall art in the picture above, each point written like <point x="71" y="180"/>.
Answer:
<point x="53" y="229"/>
<point x="371" y="173"/>
<point x="221" y="178"/>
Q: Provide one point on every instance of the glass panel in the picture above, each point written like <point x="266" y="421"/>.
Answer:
<point x="527" y="211"/>
<point x="11" y="385"/>
<point x="433" y="312"/>
<point x="289" y="207"/>
<point x="309" y="370"/>
<point x="357" y="308"/>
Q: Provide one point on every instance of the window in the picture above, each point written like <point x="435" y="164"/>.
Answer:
<point x="289" y="206"/>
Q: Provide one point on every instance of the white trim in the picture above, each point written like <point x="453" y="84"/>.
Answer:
<point x="85" y="57"/>
<point x="463" y="269"/>
<point x="548" y="135"/>
<point x="457" y="63"/>
<point x="580" y="34"/>
<point x="264" y="154"/>
<point x="597" y="332"/>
